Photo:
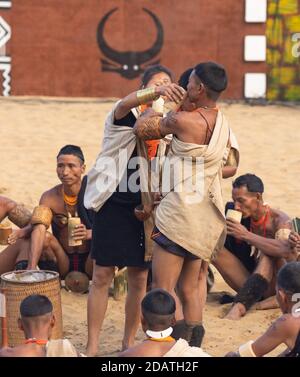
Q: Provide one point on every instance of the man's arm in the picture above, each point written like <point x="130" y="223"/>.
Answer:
<point x="228" y="171"/>
<point x="230" y="168"/>
<point x="276" y="334"/>
<point x="151" y="125"/>
<point x="173" y="92"/>
<point x="278" y="248"/>
<point x="38" y="236"/>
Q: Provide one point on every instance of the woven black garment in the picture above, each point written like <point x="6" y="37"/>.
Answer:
<point x="118" y="237"/>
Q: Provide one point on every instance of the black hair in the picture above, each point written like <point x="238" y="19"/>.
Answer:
<point x="35" y="306"/>
<point x="153" y="70"/>
<point x="72" y="149"/>
<point x="214" y="78"/>
<point x="158" y="308"/>
<point x="184" y="78"/>
<point x="288" y="278"/>
<point x="251" y="181"/>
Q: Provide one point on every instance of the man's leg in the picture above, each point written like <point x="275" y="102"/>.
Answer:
<point x="97" y="305"/>
<point x="52" y="250"/>
<point x="191" y="304"/>
<point x="254" y="288"/>
<point x="202" y="282"/>
<point x="12" y="254"/>
<point x="89" y="266"/>
<point x="166" y="268"/>
<point x="137" y="283"/>
<point x="231" y="268"/>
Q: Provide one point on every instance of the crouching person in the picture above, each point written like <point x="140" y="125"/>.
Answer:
<point x="286" y="329"/>
<point x="37" y="321"/>
<point x="158" y="319"/>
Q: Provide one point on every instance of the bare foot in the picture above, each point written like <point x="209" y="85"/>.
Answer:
<point x="91" y="351"/>
<point x="236" y="312"/>
<point x="268" y="303"/>
<point x="126" y="344"/>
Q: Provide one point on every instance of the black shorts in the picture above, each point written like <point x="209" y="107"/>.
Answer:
<point x="171" y="246"/>
<point x="46" y="265"/>
<point x="118" y="236"/>
<point x="76" y="263"/>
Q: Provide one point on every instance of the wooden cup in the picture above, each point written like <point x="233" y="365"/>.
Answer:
<point x="5" y="232"/>
<point x="234" y="215"/>
<point x="72" y="222"/>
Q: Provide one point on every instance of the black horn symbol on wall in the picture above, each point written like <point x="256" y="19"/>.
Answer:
<point x="129" y="64"/>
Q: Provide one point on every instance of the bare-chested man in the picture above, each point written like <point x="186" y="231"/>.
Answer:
<point x="188" y="231"/>
<point x="52" y="251"/>
<point x="254" y="251"/>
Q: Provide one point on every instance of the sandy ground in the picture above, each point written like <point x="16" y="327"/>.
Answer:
<point x="32" y="131"/>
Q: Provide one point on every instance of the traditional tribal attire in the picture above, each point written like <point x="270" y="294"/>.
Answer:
<point x="182" y="349"/>
<point x="119" y="239"/>
<point x="196" y="227"/>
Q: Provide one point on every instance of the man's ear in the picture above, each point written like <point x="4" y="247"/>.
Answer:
<point x="144" y="323"/>
<point x="173" y="321"/>
<point x="52" y="321"/>
<point x="20" y="324"/>
<point x="259" y="196"/>
<point x="83" y="167"/>
<point x="282" y="295"/>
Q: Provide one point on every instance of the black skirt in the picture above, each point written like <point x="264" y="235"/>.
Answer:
<point x="118" y="237"/>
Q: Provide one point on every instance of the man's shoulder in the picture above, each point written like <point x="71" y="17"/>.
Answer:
<point x="7" y="203"/>
<point x="49" y="196"/>
<point x="286" y="323"/>
<point x="280" y="218"/>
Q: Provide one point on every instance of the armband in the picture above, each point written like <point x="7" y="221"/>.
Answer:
<point x="42" y="215"/>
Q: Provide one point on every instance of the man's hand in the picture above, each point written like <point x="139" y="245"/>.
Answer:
<point x="294" y="240"/>
<point x="236" y="229"/>
<point x="172" y="92"/>
<point x="15" y="236"/>
<point x="80" y="233"/>
<point x="157" y="197"/>
<point x="294" y="243"/>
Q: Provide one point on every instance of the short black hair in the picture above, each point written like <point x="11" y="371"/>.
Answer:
<point x="214" y="78"/>
<point x="288" y="278"/>
<point x="158" y="308"/>
<point x="35" y="306"/>
<point x="184" y="78"/>
<point x="153" y="70"/>
<point x="72" y="149"/>
<point x="251" y="181"/>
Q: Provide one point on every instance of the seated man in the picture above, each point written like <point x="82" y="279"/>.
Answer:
<point x="158" y="318"/>
<point x="57" y="205"/>
<point x="20" y="216"/>
<point x="255" y="249"/>
<point x="36" y="321"/>
<point x="286" y="329"/>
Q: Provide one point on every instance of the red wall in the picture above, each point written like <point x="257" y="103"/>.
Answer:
<point x="55" y="52"/>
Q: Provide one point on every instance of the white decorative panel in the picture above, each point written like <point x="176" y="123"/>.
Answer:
<point x="256" y="11"/>
<point x="255" y="85"/>
<point x="255" y="48"/>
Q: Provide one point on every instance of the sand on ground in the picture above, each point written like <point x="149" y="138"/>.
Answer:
<point x="32" y="131"/>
